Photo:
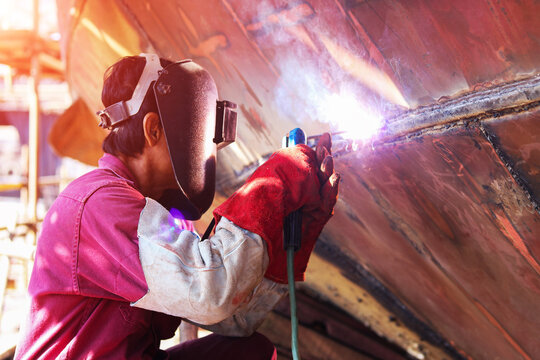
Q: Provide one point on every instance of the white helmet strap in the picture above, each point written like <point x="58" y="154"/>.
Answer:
<point x="122" y="110"/>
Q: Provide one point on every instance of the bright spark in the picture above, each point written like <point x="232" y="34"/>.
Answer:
<point x="345" y="113"/>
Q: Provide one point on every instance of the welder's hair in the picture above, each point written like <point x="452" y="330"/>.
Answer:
<point x="119" y="82"/>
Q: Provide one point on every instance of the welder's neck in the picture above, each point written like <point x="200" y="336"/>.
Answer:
<point x="147" y="179"/>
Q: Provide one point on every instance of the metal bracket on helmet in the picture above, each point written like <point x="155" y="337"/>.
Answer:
<point x="225" y="123"/>
<point x="122" y="110"/>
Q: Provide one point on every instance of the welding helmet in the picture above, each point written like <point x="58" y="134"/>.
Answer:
<point x="195" y="124"/>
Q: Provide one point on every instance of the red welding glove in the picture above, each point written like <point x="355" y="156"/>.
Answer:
<point x="293" y="178"/>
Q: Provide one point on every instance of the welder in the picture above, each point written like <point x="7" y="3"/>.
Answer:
<point x="118" y="264"/>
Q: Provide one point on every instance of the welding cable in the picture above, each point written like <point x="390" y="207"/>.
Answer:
<point x="292" y="297"/>
<point x="209" y="229"/>
<point x="292" y="293"/>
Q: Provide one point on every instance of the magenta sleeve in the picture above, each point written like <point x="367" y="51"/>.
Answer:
<point x="108" y="254"/>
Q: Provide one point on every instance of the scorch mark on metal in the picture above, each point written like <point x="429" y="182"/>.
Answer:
<point x="505" y="160"/>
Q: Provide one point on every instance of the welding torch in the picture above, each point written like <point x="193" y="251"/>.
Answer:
<point x="292" y="226"/>
<point x="292" y="236"/>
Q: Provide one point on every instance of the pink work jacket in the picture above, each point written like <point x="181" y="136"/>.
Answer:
<point x="87" y="272"/>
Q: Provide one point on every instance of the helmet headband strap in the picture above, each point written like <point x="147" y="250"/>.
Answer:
<point x="123" y="110"/>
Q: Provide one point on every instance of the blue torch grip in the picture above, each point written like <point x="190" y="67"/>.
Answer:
<point x="292" y="227"/>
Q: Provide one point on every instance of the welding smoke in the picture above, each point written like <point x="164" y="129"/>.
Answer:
<point x="323" y="75"/>
<point x="302" y="95"/>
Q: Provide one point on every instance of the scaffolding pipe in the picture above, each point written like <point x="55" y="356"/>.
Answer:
<point x="33" y="128"/>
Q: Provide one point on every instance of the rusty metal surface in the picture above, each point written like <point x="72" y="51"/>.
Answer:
<point x="441" y="209"/>
<point x="441" y="223"/>
<point x="442" y="47"/>
<point x="333" y="324"/>
<point x="517" y="138"/>
<point x="94" y="37"/>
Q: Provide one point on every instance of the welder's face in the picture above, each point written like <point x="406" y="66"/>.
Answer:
<point x="165" y="165"/>
<point x="163" y="172"/>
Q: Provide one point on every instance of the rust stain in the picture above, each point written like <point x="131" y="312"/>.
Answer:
<point x="253" y="118"/>
<point x="499" y="22"/>
<point x="256" y="123"/>
<point x="301" y="34"/>
<point x="192" y="29"/>
<point x="501" y="220"/>
<point x="248" y="88"/>
<point x="461" y="352"/>
<point x="516" y="139"/>
<point x="164" y="31"/>
<point x="510" y="232"/>
<point x="256" y="47"/>
<point x="506" y="335"/>
<point x="208" y="47"/>
<point x="457" y="166"/>
<point x="288" y="16"/>
<point x="203" y="48"/>
<point x="430" y="211"/>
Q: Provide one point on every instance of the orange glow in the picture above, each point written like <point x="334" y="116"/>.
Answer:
<point x="367" y="74"/>
<point x="207" y="48"/>
<point x="189" y="25"/>
<point x="300" y="33"/>
<point x="113" y="44"/>
<point x="517" y="241"/>
<point x="499" y="327"/>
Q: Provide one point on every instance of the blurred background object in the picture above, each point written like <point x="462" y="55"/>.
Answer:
<point x="33" y="94"/>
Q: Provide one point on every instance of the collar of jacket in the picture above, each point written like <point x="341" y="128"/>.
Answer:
<point x="113" y="163"/>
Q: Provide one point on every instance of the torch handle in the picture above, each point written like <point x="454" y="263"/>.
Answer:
<point x="292" y="230"/>
<point x="292" y="236"/>
<point x="292" y="227"/>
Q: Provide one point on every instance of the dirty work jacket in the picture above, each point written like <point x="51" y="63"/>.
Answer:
<point x="115" y="272"/>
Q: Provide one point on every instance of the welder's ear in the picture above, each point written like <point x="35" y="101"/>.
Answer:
<point x="152" y="128"/>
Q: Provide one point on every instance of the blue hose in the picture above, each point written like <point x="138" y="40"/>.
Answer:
<point x="292" y="297"/>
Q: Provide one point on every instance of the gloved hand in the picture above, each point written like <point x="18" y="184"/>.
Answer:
<point x="293" y="178"/>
